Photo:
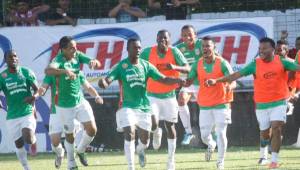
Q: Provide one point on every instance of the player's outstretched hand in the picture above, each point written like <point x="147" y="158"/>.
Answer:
<point x="99" y="100"/>
<point x="94" y="64"/>
<point x="210" y="82"/>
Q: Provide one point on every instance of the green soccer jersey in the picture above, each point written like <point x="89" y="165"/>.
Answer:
<point x="179" y="59"/>
<point x="16" y="87"/>
<point x="51" y="81"/>
<point x="251" y="69"/>
<point x="69" y="92"/>
<point x="134" y="82"/>
<point x="226" y="70"/>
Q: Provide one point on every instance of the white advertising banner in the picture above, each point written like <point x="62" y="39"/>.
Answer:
<point x="237" y="41"/>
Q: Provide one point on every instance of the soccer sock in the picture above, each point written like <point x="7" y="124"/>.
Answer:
<point x="264" y="148"/>
<point x="274" y="157"/>
<point x="185" y="117"/>
<point x="222" y="141"/>
<point x="140" y="147"/>
<point x="129" y="153"/>
<point x="85" y="141"/>
<point x="171" y="150"/>
<point x="207" y="137"/>
<point x="70" y="154"/>
<point x="58" y="150"/>
<point x="22" y="156"/>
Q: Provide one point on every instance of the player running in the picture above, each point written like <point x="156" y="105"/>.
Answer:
<point x="270" y="92"/>
<point x="135" y="112"/>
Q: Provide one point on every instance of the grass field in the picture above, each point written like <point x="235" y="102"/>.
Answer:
<point x="238" y="158"/>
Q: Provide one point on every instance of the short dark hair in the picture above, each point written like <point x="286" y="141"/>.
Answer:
<point x="163" y="31"/>
<point x="64" y="41"/>
<point x="268" y="40"/>
<point x="130" y="40"/>
<point x="187" y="27"/>
<point x="208" y="38"/>
<point x="7" y="53"/>
<point x="282" y="42"/>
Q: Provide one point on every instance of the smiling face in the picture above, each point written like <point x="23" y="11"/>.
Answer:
<point x="282" y="50"/>
<point x="188" y="36"/>
<point x="266" y="51"/>
<point x="163" y="41"/>
<point x="208" y="49"/>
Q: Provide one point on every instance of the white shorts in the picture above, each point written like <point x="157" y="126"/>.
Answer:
<point x="193" y="89"/>
<point x="164" y="109"/>
<point x="266" y="116"/>
<point x="55" y="124"/>
<point x="213" y="116"/>
<point x="133" y="117"/>
<point x="15" y="126"/>
<point x="82" y="112"/>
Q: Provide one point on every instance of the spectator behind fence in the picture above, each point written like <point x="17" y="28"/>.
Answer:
<point x="292" y="52"/>
<point x="62" y="15"/>
<point x="124" y="12"/>
<point x="173" y="9"/>
<point x="22" y="15"/>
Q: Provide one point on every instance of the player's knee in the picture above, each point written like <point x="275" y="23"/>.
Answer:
<point x="129" y="134"/>
<point x="70" y="137"/>
<point x="276" y="129"/>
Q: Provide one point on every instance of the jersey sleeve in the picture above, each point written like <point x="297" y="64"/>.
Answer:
<point x="248" y="69"/>
<point x="145" y="54"/>
<point x="83" y="58"/>
<point x="226" y="68"/>
<point x="179" y="57"/>
<point x="154" y="73"/>
<point x="193" y="73"/>
<point x="48" y="80"/>
<point x="114" y="74"/>
<point x="289" y="64"/>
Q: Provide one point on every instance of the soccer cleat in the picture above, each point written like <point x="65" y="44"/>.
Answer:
<point x="142" y="158"/>
<point x="263" y="161"/>
<point x="273" y="165"/>
<point x="83" y="159"/>
<point x="33" y="149"/>
<point x="58" y="159"/>
<point x="187" y="138"/>
<point x="157" y="134"/>
<point x="220" y="165"/>
<point x="73" y="168"/>
<point x="209" y="152"/>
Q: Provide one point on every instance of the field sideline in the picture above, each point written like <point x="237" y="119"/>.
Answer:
<point x="238" y="158"/>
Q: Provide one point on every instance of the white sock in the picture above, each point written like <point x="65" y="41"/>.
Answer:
<point x="140" y="147"/>
<point x="185" y="117"/>
<point x="298" y="138"/>
<point x="22" y="156"/>
<point x="58" y="150"/>
<point x="171" y="150"/>
<point x="70" y="154"/>
<point x="274" y="157"/>
<point x="129" y="153"/>
<point x="222" y="141"/>
<point x="85" y="141"/>
<point x="264" y="152"/>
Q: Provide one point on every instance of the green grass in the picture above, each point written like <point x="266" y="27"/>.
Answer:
<point x="238" y="158"/>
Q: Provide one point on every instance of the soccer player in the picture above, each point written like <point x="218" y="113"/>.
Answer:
<point x="55" y="123"/>
<point x="214" y="101"/>
<point x="17" y="84"/>
<point x="169" y="61"/>
<point x="71" y="104"/>
<point x="191" y="48"/>
<point x="270" y="92"/>
<point x="134" y="72"/>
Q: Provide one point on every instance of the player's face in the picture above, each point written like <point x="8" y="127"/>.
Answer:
<point x="12" y="60"/>
<point x="188" y="36"/>
<point x="266" y="50"/>
<point x="70" y="50"/>
<point x="281" y="49"/>
<point x="163" y="40"/>
<point x="134" y="49"/>
<point x="298" y="45"/>
<point x="208" y="48"/>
